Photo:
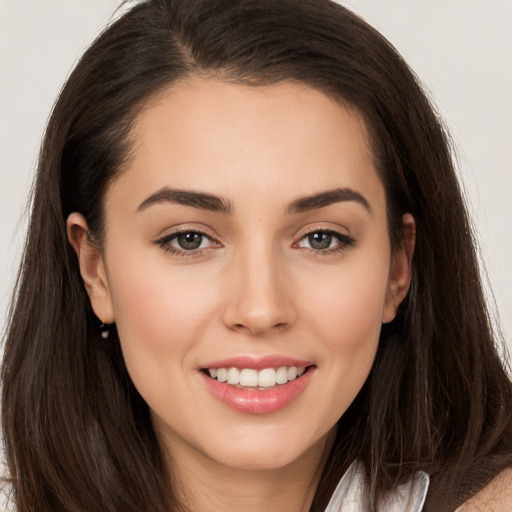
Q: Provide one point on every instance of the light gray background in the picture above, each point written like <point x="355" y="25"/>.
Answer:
<point x="461" y="49"/>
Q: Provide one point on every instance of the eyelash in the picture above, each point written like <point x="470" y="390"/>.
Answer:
<point x="166" y="240"/>
<point x="344" y="242"/>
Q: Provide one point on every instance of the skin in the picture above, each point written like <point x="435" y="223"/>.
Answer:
<point x="495" y="497"/>
<point x="256" y="287"/>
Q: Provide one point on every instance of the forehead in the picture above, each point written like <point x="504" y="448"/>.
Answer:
<point x="221" y="137"/>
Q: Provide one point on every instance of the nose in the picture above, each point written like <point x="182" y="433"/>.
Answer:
<point x="259" y="296"/>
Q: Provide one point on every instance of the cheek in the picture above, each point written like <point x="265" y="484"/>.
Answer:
<point x="158" y="311"/>
<point x="347" y="320"/>
<point x="346" y="315"/>
<point x="349" y="304"/>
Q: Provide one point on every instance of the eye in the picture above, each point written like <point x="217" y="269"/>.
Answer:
<point x="186" y="242"/>
<point x="326" y="241"/>
<point x="320" y="240"/>
<point x="189" y="241"/>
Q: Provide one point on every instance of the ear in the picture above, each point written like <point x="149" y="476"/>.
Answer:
<point x="400" y="271"/>
<point x="92" y="267"/>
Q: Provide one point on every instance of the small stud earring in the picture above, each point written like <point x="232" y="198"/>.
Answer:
<point x="104" y="331"/>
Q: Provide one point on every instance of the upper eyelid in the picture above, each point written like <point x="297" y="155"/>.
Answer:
<point x="324" y="230"/>
<point x="342" y="237"/>
<point x="180" y="230"/>
<point x="171" y="236"/>
<point x="314" y="228"/>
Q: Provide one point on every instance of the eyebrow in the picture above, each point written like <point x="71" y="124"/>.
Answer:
<point x="199" y="200"/>
<point x="215" y="203"/>
<point x="327" y="198"/>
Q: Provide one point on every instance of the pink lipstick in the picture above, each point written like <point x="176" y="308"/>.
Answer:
<point x="257" y="385"/>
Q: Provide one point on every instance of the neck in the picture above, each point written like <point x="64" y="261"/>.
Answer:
<point x="205" y="485"/>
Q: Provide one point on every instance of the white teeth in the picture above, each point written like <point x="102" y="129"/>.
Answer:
<point x="282" y="375"/>
<point x="233" y="376"/>
<point x="292" y="373"/>
<point x="222" y="374"/>
<point x="248" y="377"/>
<point x="267" y="378"/>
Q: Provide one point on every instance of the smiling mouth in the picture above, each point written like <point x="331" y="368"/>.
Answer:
<point x="249" y="378"/>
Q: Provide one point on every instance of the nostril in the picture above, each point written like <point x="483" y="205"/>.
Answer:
<point x="260" y="329"/>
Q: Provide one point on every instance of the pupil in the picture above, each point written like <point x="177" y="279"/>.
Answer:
<point x="190" y="241"/>
<point x="320" y="240"/>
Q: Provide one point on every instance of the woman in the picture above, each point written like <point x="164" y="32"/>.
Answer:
<point x="249" y="280"/>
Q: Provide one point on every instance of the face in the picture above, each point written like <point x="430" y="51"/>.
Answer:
<point x="248" y="268"/>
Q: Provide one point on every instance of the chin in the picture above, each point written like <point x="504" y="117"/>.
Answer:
<point x="268" y="452"/>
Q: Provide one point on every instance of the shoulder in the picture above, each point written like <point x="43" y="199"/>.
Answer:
<point x="495" y="497"/>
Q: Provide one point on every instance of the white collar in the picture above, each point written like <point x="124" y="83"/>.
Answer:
<point x="350" y="493"/>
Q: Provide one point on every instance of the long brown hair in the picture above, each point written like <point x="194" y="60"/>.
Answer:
<point x="77" y="434"/>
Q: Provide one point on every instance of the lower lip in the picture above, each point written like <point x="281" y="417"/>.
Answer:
<point x="255" y="401"/>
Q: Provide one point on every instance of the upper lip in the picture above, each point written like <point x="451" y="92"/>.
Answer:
<point x="258" y="363"/>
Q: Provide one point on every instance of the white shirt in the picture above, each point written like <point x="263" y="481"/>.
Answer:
<point x="350" y="493"/>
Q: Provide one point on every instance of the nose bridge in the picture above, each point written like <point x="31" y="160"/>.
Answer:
<point x="258" y="300"/>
